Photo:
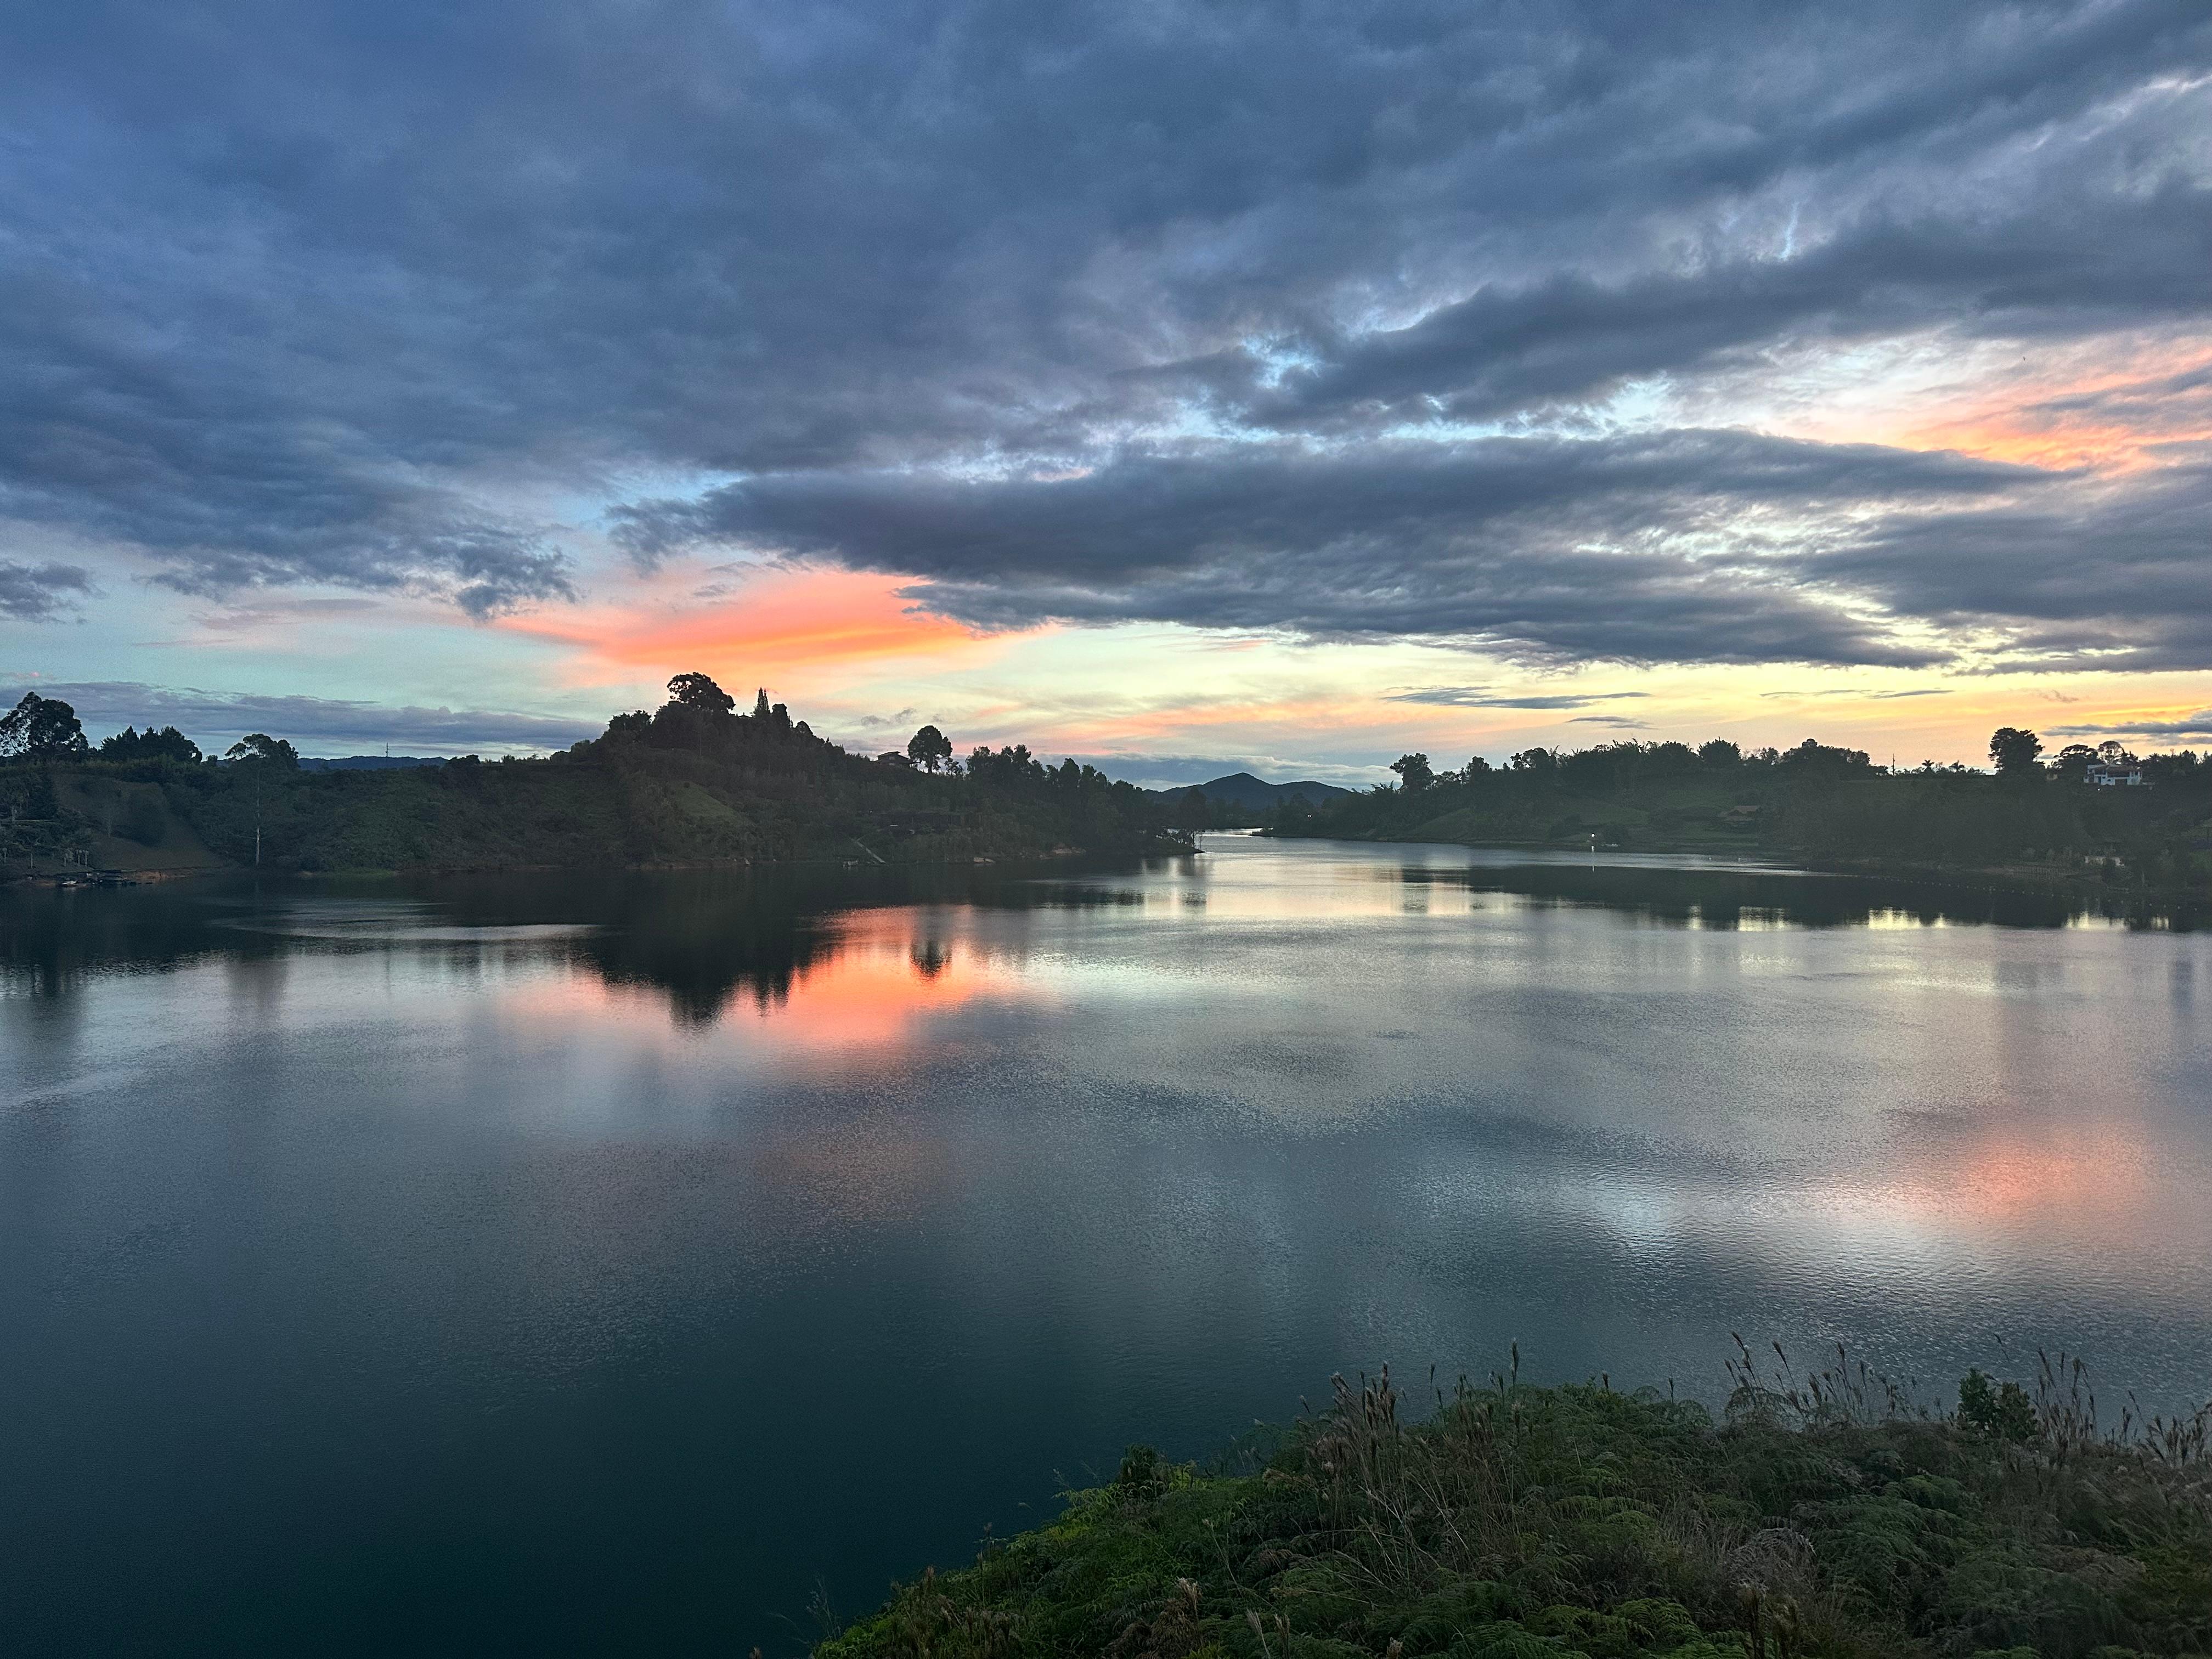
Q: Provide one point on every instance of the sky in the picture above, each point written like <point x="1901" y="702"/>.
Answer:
<point x="1285" y="386"/>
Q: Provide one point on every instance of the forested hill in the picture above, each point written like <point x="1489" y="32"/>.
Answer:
<point x="1233" y="799"/>
<point x="692" y="783"/>
<point x="1812" y="802"/>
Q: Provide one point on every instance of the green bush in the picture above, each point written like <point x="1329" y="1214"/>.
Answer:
<point x="1521" y="1522"/>
<point x="2000" y="1409"/>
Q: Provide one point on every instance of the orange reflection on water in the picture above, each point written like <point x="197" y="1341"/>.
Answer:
<point x="886" y="972"/>
<point x="2096" y="1184"/>
<point x="867" y="984"/>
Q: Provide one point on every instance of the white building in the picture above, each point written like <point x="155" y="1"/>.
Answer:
<point x="2114" y="769"/>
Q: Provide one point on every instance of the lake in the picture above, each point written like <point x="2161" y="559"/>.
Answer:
<point x="664" y="1262"/>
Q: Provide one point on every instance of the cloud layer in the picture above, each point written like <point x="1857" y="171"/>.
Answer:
<point x="41" y="592"/>
<point x="1657" y="548"/>
<point x="1510" y="326"/>
<point x="2189" y="727"/>
<point x="319" y="724"/>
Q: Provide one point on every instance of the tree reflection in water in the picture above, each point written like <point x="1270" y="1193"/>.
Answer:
<point x="705" y="939"/>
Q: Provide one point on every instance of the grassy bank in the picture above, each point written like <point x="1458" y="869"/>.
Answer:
<point x="1523" y="1522"/>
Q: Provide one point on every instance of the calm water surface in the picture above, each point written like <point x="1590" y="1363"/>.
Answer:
<point x="567" y="1264"/>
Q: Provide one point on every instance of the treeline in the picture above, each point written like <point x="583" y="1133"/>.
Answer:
<point x="693" y="781"/>
<point x="696" y="781"/>
<point x="2145" y="826"/>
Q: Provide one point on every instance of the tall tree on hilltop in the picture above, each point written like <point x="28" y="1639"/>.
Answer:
<point x="41" y="728"/>
<point x="1414" y="773"/>
<point x="699" y="692"/>
<point x="2014" y="751"/>
<point x="259" y="749"/>
<point x="168" y="744"/>
<point x="929" y="748"/>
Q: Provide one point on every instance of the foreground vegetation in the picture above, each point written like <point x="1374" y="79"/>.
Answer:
<point x="693" y="782"/>
<point x="2030" y="820"/>
<point x="1525" y="1522"/>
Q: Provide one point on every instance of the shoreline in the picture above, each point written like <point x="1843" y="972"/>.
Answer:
<point x="56" y="879"/>
<point x="1991" y="878"/>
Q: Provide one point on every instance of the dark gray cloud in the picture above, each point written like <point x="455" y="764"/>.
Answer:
<point x="2105" y="575"/>
<point x="2173" y="411"/>
<point x="124" y="426"/>
<point x="383" y="297"/>
<point x="1507" y="350"/>
<point x="40" y="593"/>
<point x="2197" y="726"/>
<point x="1640" y="549"/>
<point x="317" y="725"/>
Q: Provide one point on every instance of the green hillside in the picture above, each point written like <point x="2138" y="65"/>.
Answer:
<point x="1832" y="805"/>
<point x="693" y="783"/>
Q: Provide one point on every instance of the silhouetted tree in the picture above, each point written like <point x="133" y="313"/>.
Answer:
<point x="761" y="710"/>
<point x="1414" y="773"/>
<point x="41" y="728"/>
<point x="1812" y="756"/>
<point x="2014" y="751"/>
<point x="1008" y="766"/>
<point x="1189" y="809"/>
<point x="699" y="692"/>
<point x="1720" y="752"/>
<point x="168" y="744"/>
<point x="929" y="748"/>
<point x="1534" y="760"/>
<point x="259" y="749"/>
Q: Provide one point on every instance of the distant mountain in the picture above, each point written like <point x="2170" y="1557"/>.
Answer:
<point x="365" y="762"/>
<point x="1242" y="789"/>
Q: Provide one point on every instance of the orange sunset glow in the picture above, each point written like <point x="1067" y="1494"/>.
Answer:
<point x="798" y="626"/>
<point x="2114" y="420"/>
